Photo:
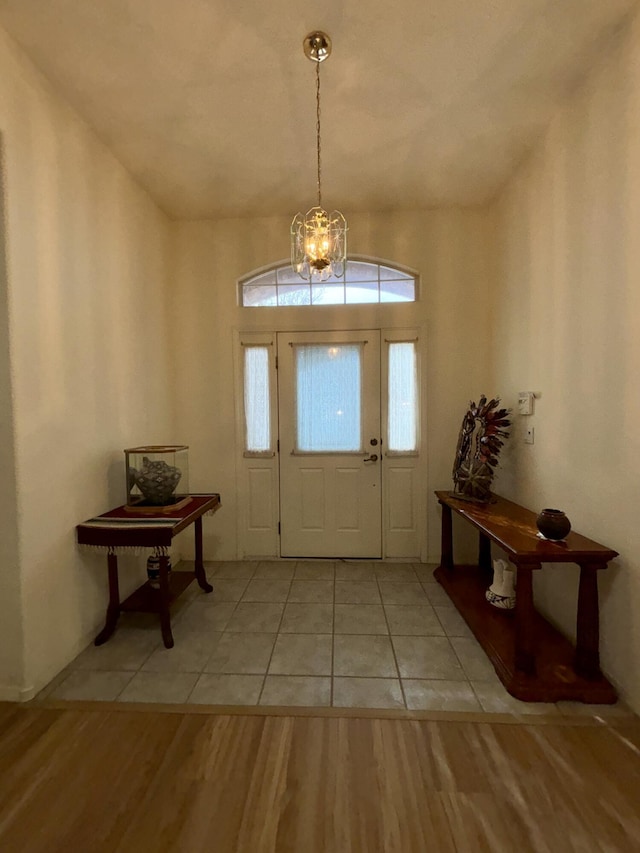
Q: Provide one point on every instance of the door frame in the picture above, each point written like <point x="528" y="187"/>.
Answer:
<point x="264" y="543"/>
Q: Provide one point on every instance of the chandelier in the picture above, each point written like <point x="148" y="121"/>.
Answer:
<point x="318" y="238"/>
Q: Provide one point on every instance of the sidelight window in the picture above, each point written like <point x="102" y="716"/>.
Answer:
<point x="257" y="405"/>
<point x="402" y="397"/>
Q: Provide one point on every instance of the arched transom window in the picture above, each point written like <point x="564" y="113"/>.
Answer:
<point x="363" y="282"/>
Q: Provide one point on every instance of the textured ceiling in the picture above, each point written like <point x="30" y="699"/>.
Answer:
<point x="210" y="104"/>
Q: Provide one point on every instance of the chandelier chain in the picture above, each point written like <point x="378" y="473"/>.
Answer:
<point x="318" y="239"/>
<point x="318" y="131"/>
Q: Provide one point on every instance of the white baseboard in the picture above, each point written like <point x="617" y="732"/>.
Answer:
<point x="13" y="693"/>
<point x="16" y="693"/>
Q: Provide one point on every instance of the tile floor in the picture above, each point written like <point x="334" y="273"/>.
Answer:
<point x="341" y="634"/>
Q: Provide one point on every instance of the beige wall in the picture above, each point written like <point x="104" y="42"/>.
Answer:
<point x="85" y="284"/>
<point x="452" y="251"/>
<point x="567" y="325"/>
<point x="11" y="639"/>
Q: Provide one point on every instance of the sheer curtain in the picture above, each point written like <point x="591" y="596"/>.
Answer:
<point x="403" y="397"/>
<point x="256" y="399"/>
<point x="328" y="397"/>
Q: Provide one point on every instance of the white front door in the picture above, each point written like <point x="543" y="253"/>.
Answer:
<point x="330" y="457"/>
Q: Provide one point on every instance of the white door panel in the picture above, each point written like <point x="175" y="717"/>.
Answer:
<point x="401" y="510"/>
<point x="403" y="507"/>
<point x="329" y="397"/>
<point x="259" y="510"/>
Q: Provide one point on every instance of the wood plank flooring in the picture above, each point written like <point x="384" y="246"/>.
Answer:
<point x="98" y="780"/>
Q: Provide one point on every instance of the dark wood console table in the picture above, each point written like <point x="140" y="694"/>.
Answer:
<point x="121" y="530"/>
<point x="534" y="661"/>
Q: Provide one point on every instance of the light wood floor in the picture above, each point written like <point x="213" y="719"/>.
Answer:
<point x="94" y="780"/>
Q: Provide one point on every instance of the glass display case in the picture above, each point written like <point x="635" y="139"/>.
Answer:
<point x="157" y="475"/>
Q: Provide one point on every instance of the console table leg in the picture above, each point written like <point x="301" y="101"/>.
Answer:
<point x="446" y="540"/>
<point x="199" y="565"/>
<point x="587" y="661"/>
<point x="484" y="553"/>
<point x="524" y="617"/>
<point x="165" y="618"/>
<point x="113" y="608"/>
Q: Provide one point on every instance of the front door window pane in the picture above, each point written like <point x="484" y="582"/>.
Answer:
<point x="328" y="395"/>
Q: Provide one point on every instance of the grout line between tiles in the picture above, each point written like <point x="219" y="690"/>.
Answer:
<point x="393" y="648"/>
<point x="235" y="607"/>
<point x="266" y="672"/>
<point x="121" y="691"/>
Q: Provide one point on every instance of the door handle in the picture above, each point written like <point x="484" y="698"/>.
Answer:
<point x="372" y="458"/>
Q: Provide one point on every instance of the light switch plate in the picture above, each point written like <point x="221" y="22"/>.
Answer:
<point x="525" y="403"/>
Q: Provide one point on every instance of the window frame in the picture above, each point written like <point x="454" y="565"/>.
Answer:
<point x="404" y="272"/>
<point x="400" y="336"/>
<point x="266" y="340"/>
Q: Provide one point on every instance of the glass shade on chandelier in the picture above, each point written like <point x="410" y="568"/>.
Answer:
<point x="318" y="238"/>
<point x="319" y="244"/>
